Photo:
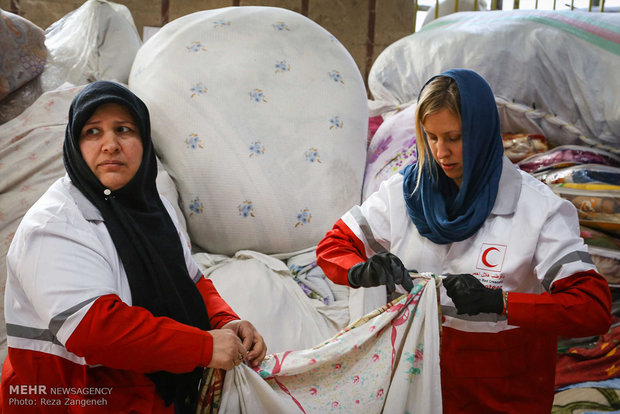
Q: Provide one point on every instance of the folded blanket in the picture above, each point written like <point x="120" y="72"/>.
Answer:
<point x="600" y="362"/>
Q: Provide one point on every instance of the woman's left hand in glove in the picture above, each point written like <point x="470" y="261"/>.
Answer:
<point x="472" y="297"/>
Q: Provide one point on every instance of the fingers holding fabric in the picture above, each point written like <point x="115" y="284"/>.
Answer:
<point x="470" y="296"/>
<point x="228" y="351"/>
<point x="381" y="269"/>
<point x="251" y="339"/>
<point x="401" y="274"/>
<point x="257" y="351"/>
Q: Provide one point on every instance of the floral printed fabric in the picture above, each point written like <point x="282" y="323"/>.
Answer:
<point x="387" y="361"/>
<point x="392" y="148"/>
<point x="30" y="161"/>
<point x="260" y="116"/>
<point x="23" y="52"/>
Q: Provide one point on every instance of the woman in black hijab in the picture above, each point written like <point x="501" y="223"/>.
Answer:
<point x="100" y="265"/>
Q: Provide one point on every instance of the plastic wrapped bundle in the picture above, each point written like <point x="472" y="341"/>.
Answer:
<point x="582" y="174"/>
<point x="520" y="146"/>
<point x="605" y="252"/>
<point x="392" y="148"/>
<point x="566" y="156"/>
<point x="97" y="41"/>
<point x="598" y="205"/>
<point x="563" y="93"/>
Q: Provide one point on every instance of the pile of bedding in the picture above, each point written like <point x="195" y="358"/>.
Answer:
<point x="587" y="377"/>
<point x="261" y="123"/>
<point x="587" y="368"/>
<point x="590" y="179"/>
<point x="564" y="93"/>
<point x="260" y="117"/>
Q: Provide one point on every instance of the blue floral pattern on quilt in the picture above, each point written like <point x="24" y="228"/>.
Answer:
<point x="258" y="131"/>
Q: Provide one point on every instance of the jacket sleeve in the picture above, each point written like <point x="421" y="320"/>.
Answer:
<point x="116" y="335"/>
<point x="339" y="250"/>
<point x="219" y="311"/>
<point x="576" y="306"/>
<point x="361" y="232"/>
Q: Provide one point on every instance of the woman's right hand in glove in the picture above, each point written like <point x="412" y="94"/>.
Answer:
<point x="381" y="269"/>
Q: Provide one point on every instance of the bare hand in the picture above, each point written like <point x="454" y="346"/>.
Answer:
<point x="252" y="341"/>
<point x="228" y="351"/>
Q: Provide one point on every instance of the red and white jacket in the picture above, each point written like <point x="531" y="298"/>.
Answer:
<point x="75" y="342"/>
<point x="529" y="246"/>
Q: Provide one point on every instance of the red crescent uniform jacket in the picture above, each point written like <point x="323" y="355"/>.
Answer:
<point x="529" y="246"/>
<point x="75" y="343"/>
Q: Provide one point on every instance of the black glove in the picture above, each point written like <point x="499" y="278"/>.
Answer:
<point x="472" y="297"/>
<point x="381" y="269"/>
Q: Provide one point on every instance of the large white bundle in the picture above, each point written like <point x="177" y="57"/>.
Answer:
<point x="446" y="7"/>
<point x="97" y="41"/>
<point x="260" y="116"/>
<point x="553" y="72"/>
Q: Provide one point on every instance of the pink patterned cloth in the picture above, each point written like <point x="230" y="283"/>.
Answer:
<point x="23" y="52"/>
<point x="388" y="361"/>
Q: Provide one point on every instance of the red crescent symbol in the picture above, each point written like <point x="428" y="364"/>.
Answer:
<point x="484" y="256"/>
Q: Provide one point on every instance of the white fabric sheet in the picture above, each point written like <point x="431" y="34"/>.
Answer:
<point x="261" y="289"/>
<point x="387" y="361"/>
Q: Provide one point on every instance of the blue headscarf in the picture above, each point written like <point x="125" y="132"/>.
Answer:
<point x="440" y="210"/>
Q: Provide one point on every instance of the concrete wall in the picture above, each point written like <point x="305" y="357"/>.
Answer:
<point x="365" y="27"/>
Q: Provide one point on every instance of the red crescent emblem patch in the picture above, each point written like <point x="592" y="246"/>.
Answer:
<point x="491" y="257"/>
<point x="484" y="257"/>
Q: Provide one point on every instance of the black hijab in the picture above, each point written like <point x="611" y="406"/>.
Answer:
<point x="142" y="231"/>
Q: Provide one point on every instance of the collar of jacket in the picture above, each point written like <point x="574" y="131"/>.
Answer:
<point x="509" y="189"/>
<point x="88" y="210"/>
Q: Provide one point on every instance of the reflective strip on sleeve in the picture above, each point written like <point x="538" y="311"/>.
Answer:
<point x="49" y="334"/>
<point x="197" y="276"/>
<point x="577" y="256"/>
<point x="356" y="213"/>
<point x="27" y="332"/>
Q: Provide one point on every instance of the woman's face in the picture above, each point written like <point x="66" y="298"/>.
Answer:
<point x="111" y="145"/>
<point x="443" y="134"/>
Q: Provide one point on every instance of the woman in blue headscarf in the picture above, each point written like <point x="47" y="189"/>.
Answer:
<point x="518" y="275"/>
